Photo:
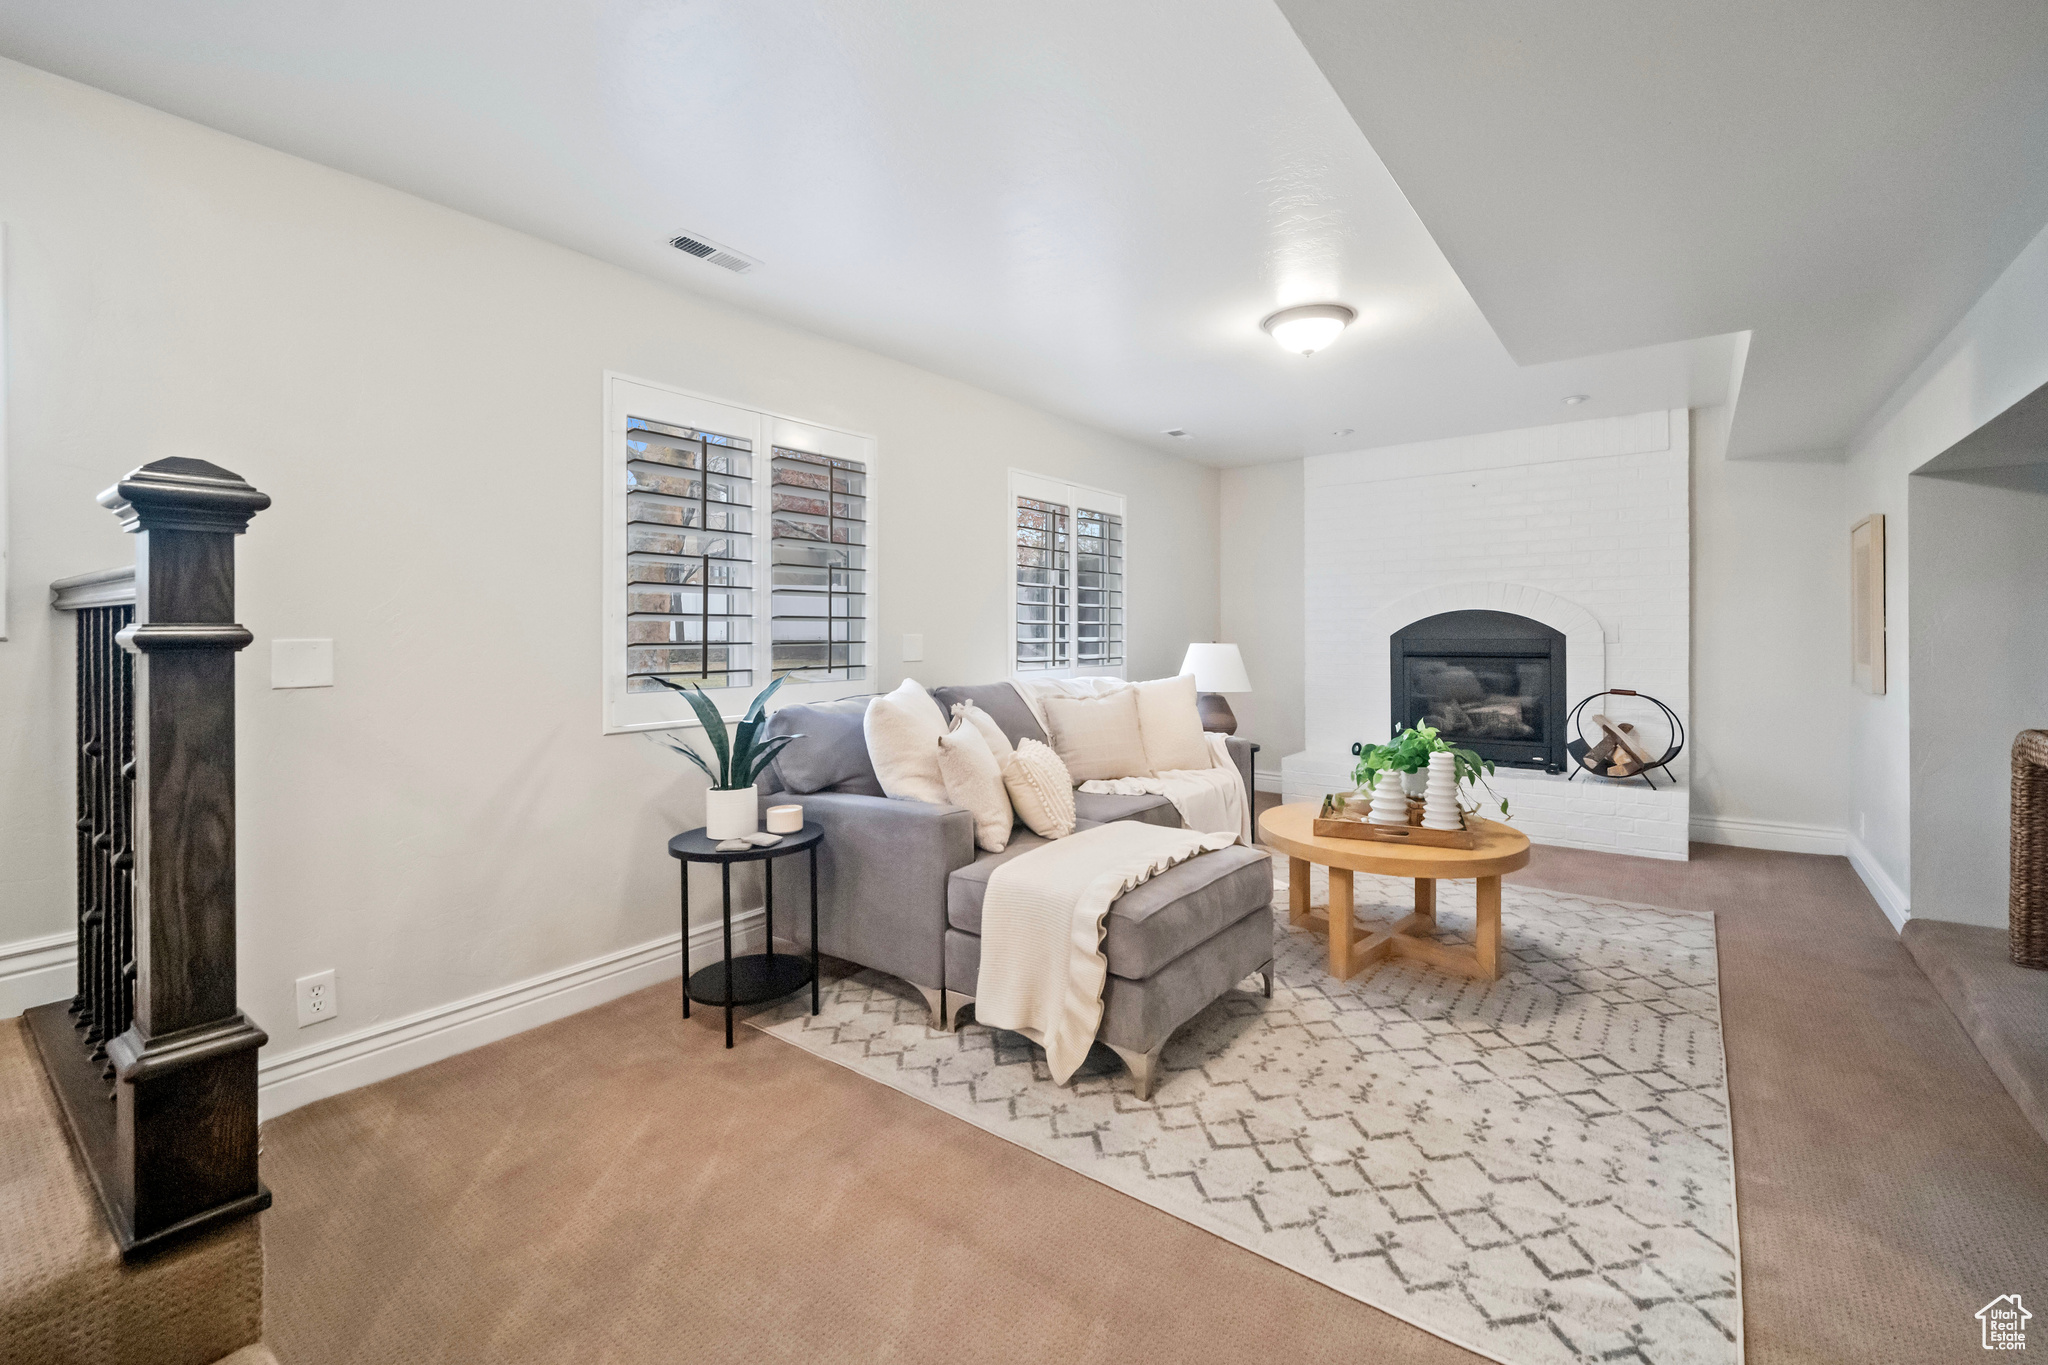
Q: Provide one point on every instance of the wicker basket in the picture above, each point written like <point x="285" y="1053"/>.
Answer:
<point x="2030" y="849"/>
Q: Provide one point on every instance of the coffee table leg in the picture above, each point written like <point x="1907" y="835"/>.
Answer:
<point x="1425" y="898"/>
<point x="1340" y="922"/>
<point x="1486" y="943"/>
<point x="1297" y="890"/>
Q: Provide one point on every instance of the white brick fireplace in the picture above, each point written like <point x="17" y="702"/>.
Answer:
<point x="1583" y="527"/>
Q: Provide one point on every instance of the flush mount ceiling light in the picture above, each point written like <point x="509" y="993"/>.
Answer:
<point x="1572" y="400"/>
<point x="1309" y="328"/>
<point x="1178" y="433"/>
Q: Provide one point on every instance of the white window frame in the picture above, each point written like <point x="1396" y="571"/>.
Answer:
<point x="1023" y="483"/>
<point x="626" y="396"/>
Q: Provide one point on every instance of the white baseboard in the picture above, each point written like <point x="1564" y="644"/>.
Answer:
<point x="1266" y="779"/>
<point x="37" y="971"/>
<point x="1896" y="904"/>
<point x="1782" y="835"/>
<point x="299" y="1077"/>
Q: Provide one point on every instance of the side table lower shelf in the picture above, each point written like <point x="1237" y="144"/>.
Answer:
<point x="756" y="978"/>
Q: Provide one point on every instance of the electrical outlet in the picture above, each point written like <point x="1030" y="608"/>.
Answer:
<point x="318" y="999"/>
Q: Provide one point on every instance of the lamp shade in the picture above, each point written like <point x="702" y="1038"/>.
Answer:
<point x="1217" y="668"/>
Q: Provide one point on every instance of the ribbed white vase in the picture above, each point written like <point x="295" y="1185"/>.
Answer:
<point x="1440" y="796"/>
<point x="1389" y="801"/>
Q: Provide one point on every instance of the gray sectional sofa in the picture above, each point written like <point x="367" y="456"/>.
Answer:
<point x="901" y="883"/>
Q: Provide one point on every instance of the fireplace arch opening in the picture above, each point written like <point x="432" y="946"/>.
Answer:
<point x="1491" y="681"/>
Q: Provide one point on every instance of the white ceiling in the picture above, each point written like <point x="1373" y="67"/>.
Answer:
<point x="1843" y="178"/>
<point x="1090" y="206"/>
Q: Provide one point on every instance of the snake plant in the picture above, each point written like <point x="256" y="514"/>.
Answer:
<point x="740" y="759"/>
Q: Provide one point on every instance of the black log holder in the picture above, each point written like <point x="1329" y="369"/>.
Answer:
<point x="1583" y="749"/>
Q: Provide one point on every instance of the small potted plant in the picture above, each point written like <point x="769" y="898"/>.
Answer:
<point x="731" y="807"/>
<point x="1408" y="753"/>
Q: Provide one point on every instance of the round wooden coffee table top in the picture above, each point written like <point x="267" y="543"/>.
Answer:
<point x="1291" y="830"/>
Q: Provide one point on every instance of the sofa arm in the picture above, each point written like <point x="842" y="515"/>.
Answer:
<point x="1241" y="754"/>
<point x="882" y="872"/>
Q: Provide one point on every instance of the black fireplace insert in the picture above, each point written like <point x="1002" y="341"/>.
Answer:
<point x="1491" y="681"/>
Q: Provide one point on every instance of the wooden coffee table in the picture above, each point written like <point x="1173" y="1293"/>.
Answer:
<point x="1291" y="830"/>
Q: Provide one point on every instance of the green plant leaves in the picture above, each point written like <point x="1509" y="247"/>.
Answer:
<point x="741" y="760"/>
<point x="1408" y="751"/>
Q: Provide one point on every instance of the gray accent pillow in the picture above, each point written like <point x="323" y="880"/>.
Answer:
<point x="832" y="756"/>
<point x="1001" y="702"/>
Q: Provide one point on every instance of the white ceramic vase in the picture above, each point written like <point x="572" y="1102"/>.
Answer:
<point x="1440" y="796"/>
<point x="1389" y="801"/>
<point x="731" y="815"/>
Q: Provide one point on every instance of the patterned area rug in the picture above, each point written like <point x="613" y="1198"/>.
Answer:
<point x="1537" y="1169"/>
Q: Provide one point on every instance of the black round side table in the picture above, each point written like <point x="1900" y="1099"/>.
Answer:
<point x="758" y="977"/>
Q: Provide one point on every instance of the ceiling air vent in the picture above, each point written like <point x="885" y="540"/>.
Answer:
<point x="714" y="253"/>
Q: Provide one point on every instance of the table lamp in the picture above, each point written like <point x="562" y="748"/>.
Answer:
<point x="1217" y="669"/>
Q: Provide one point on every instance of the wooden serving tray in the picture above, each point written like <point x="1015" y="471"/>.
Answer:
<point x="1344" y="827"/>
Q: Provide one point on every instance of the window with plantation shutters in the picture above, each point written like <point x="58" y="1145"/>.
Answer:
<point x="1068" y="574"/>
<point x="738" y="551"/>
<point x="819" y="527"/>
<point x="689" y="556"/>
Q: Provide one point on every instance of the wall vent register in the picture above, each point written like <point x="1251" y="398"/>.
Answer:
<point x="714" y="254"/>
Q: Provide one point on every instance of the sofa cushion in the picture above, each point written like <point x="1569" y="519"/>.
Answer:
<point x="832" y="756"/>
<point x="903" y="730"/>
<point x="999" y="700"/>
<point x="1104" y="808"/>
<point x="1151" y="926"/>
<point x="1172" y="725"/>
<point x="1098" y="737"/>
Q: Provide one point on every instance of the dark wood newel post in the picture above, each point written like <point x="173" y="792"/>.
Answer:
<point x="175" y="1151"/>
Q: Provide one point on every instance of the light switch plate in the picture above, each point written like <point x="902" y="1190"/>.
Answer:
<point x="913" y="648"/>
<point x="302" y="663"/>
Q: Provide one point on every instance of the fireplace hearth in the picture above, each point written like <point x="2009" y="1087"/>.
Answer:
<point x="1491" y="681"/>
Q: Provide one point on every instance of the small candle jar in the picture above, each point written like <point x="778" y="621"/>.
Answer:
<point x="785" y="819"/>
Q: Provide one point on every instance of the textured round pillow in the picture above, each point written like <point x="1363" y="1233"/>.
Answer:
<point x="1040" y="789"/>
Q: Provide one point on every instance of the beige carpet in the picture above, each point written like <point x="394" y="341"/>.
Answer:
<point x="617" y="1187"/>
<point x="66" y="1298"/>
<point x="1537" y="1168"/>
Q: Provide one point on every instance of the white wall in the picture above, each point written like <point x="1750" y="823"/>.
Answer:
<point x="1995" y="356"/>
<point x="1262" y="559"/>
<point x="1770" y="657"/>
<point x="1980" y="675"/>
<point x="421" y="394"/>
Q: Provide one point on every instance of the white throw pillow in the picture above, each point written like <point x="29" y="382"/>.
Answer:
<point x="1040" y="789"/>
<point x="998" y="742"/>
<point x="903" y="732"/>
<point x="1172" y="725"/>
<point x="1098" y="737"/>
<point x="974" y="779"/>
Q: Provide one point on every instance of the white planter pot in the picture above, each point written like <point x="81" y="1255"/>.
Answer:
<point x="731" y="815"/>
<point x="1415" y="784"/>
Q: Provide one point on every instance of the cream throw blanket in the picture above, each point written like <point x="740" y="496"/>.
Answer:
<point x="1042" y="964"/>
<point x="1210" y="799"/>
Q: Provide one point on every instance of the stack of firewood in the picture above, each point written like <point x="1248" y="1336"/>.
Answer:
<point x="1620" y="752"/>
